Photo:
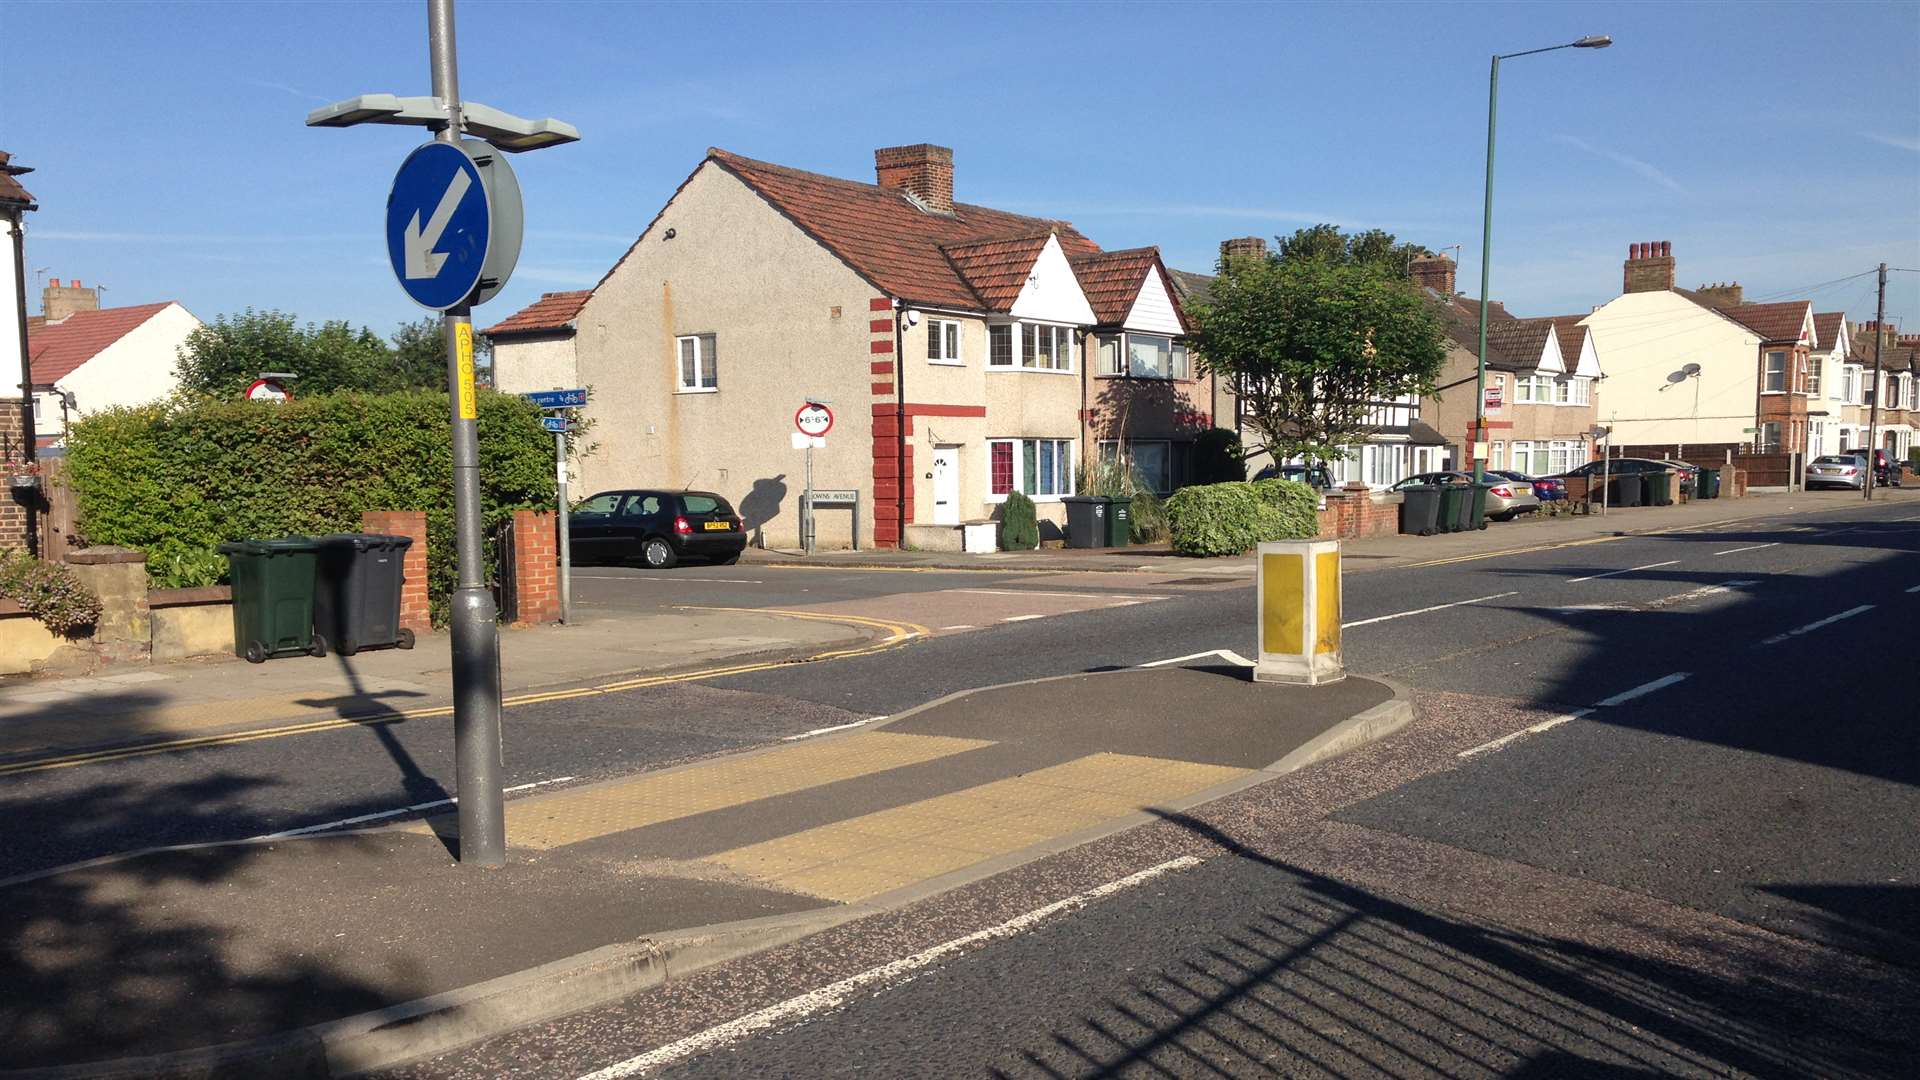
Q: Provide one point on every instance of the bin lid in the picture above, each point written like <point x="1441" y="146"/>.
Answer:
<point x="283" y="546"/>
<point x="363" y="541"/>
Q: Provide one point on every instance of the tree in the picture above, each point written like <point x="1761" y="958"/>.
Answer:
<point x="223" y="357"/>
<point x="420" y="354"/>
<point x="1327" y="244"/>
<point x="1313" y="346"/>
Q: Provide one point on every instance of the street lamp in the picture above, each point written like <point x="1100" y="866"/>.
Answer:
<point x="1595" y="41"/>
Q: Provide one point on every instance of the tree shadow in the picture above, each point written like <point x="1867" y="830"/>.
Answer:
<point x="1325" y="978"/>
<point x="761" y="505"/>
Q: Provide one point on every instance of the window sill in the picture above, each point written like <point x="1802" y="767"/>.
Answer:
<point x="946" y="363"/>
<point x="698" y="390"/>
<point x="1038" y="500"/>
<point x="1031" y="370"/>
<point x="1150" y="378"/>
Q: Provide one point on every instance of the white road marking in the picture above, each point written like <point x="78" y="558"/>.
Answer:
<point x="1544" y="725"/>
<point x="1643" y="689"/>
<point x="1423" y="611"/>
<point x="380" y="814"/>
<point x="836" y="727"/>
<point x="1073" y="595"/>
<point x="1021" y="618"/>
<point x="1916" y="588"/>
<point x="1616" y="573"/>
<point x="1812" y="626"/>
<point x="1750" y="547"/>
<point x="959" y="626"/>
<point x="1700" y="593"/>
<point x="1225" y="654"/>
<point x="880" y="978"/>
<point x="670" y="577"/>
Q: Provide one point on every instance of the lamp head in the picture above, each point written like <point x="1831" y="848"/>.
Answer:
<point x="1594" y="41"/>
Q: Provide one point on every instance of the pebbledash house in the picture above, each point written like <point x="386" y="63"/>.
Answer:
<point x="966" y="353"/>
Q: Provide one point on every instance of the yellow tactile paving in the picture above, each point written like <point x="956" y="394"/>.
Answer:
<point x="569" y="817"/>
<point x="875" y="853"/>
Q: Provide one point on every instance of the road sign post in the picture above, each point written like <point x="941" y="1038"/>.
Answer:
<point x="565" y="509"/>
<point x="813" y="420"/>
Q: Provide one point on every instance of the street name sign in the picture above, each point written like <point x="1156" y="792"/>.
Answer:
<point x="813" y="419"/>
<point x="558" y="399"/>
<point x="453" y="224"/>
<point x="835" y="497"/>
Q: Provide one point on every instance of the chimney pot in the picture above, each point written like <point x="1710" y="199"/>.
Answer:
<point x="923" y="170"/>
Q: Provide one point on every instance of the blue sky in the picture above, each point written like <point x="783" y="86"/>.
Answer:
<point x="1773" y="144"/>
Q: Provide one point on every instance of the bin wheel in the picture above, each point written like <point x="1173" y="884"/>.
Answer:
<point x="317" y="647"/>
<point x="1483" y="524"/>
<point x="256" y="654"/>
<point x="405" y="638"/>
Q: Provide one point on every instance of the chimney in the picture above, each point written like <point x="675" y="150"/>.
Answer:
<point x="1649" y="267"/>
<point x="922" y="170"/>
<point x="58" y="301"/>
<point x="1433" y="272"/>
<point x="1721" y="294"/>
<point x="1250" y="247"/>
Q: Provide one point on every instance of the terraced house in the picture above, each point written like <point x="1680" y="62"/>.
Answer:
<point x="966" y="352"/>
<point x="1898" y="388"/>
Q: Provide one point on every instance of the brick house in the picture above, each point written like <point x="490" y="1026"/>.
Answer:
<point x="951" y="341"/>
<point x="98" y="358"/>
<point x="1898" y="390"/>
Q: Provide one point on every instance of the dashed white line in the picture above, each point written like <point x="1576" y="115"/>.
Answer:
<point x="827" y="730"/>
<point x="324" y="826"/>
<point x="1548" y="725"/>
<point x="1812" y="626"/>
<point x="670" y="577"/>
<point x="1423" y="611"/>
<point x="1228" y="655"/>
<point x="1750" y="547"/>
<point x="1021" y="618"/>
<point x="1071" y="595"/>
<point x="1643" y="689"/>
<point x="886" y="975"/>
<point x="1617" y="573"/>
<point x="959" y="626"/>
<point x="1544" y="725"/>
<point x="1916" y="588"/>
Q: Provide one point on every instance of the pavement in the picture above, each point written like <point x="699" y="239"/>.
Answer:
<point x="319" y="951"/>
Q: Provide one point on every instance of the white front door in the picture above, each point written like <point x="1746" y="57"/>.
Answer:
<point x="946" y="485"/>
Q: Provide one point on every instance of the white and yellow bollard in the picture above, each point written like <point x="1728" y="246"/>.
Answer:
<point x="1298" y="609"/>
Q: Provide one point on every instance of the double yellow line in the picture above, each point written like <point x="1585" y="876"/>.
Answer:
<point x="897" y="634"/>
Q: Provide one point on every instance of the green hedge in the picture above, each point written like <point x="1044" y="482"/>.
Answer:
<point x="176" y="479"/>
<point x="1230" y="518"/>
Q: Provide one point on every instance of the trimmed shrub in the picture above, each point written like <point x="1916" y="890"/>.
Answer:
<point x="1019" y="525"/>
<point x="175" y="479"/>
<point x="1148" y="521"/>
<point x="1296" y="508"/>
<point x="1218" y="519"/>
<point x="50" y="592"/>
<point x="1217" y="458"/>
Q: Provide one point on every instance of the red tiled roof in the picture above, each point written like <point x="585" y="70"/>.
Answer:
<point x="56" y="349"/>
<point x="553" y="311"/>
<point x="997" y="269"/>
<point x="1521" y="341"/>
<point x="1773" y="322"/>
<point x="10" y="190"/>
<point x="1112" y="280"/>
<point x="1826" y="327"/>
<point x="883" y="236"/>
<point x="1571" y="334"/>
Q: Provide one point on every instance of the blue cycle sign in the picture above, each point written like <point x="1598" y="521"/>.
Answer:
<point x="453" y="224"/>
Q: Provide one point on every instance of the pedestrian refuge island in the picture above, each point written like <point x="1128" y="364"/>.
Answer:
<point x="1297" y="610"/>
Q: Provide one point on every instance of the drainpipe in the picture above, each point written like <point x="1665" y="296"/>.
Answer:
<point x="18" y="218"/>
<point x="900" y="422"/>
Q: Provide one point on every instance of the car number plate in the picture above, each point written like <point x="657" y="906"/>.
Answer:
<point x="717" y="526"/>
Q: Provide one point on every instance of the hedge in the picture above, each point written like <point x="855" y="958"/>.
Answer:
<point x="175" y="479"/>
<point x="1230" y="518"/>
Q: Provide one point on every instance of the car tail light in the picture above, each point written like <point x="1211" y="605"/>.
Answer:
<point x="681" y="525"/>
<point x="1503" y="492"/>
<point x="1850" y="470"/>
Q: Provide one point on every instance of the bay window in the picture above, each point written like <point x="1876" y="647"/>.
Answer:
<point x="1046" y="347"/>
<point x="1037" y="468"/>
<point x="1143" y="356"/>
<point x="1774" y="379"/>
<point x="1000" y="345"/>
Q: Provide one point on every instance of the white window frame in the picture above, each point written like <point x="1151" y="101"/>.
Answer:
<point x="1066" y="471"/>
<point x="1767" y="373"/>
<point x="1814" y="364"/>
<point x="946" y="343"/>
<point x="1023" y="361"/>
<point x="706" y="375"/>
<point x="1179" y="357"/>
<point x="1111" y="449"/>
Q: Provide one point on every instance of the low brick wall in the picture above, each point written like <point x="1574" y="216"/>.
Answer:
<point x="536" y="566"/>
<point x="1356" y="512"/>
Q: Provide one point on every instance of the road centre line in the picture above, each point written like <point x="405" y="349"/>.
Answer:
<point x="882" y="978"/>
<point x="1915" y="589"/>
<point x="1751" y="547"/>
<point x="1643" y="689"/>
<point x="828" y="730"/>
<point x="1544" y="725"/>
<point x="1548" y="725"/>
<point x="1616" y="573"/>
<point x="1812" y="626"/>
<point x="1423" y="611"/>
<point x="959" y="626"/>
<point x="1074" y="595"/>
<point x="901" y="633"/>
<point x="1021" y="618"/>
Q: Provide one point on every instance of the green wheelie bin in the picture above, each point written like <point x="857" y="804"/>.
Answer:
<point x="1709" y="483"/>
<point x="1477" y="506"/>
<point x="273" y="597"/>
<point x="1659" y="489"/>
<point x="1120" y="523"/>
<point x="1456" y="515"/>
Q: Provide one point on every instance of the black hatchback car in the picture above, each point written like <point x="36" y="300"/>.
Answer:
<point x="655" y="528"/>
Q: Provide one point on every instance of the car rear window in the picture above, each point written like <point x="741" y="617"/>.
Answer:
<point x="1833" y="459"/>
<point x="701" y="503"/>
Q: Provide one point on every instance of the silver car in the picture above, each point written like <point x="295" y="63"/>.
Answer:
<point x="1837" y="470"/>
<point x="1506" y="499"/>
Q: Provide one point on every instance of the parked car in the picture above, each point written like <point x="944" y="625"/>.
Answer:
<point x="1620" y="466"/>
<point x="1886" y="471"/>
<point x="1837" y="470"/>
<point x="1505" y="500"/>
<point x="1545" y="488"/>
<point x="657" y="528"/>
<point x="1689" y="475"/>
<point x="1314" y="476"/>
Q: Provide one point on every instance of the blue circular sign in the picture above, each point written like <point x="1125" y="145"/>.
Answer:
<point x="439" y="225"/>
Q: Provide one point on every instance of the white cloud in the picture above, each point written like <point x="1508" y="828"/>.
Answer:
<point x="294" y="90"/>
<point x="1644" y="168"/>
<point x="1904" y="142"/>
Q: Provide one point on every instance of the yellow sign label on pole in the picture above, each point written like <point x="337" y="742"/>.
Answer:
<point x="463" y="337"/>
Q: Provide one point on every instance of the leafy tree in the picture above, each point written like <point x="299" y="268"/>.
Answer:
<point x="1328" y="244"/>
<point x="222" y="358"/>
<point x="420" y="354"/>
<point x="1312" y="347"/>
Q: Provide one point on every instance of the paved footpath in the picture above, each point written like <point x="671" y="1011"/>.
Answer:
<point x="206" y="945"/>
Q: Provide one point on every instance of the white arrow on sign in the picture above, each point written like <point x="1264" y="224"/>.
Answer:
<point x="422" y="260"/>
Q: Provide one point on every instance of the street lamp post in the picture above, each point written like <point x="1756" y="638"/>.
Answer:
<point x="1597" y="41"/>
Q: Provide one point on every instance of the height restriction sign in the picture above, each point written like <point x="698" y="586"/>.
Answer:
<point x="813" y="419"/>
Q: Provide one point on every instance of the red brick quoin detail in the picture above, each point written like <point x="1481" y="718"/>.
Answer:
<point x="880" y="303"/>
<point x="416" y="614"/>
<point x="536" y="566"/>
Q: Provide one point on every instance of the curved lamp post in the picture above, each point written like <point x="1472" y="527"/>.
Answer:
<point x="1596" y="41"/>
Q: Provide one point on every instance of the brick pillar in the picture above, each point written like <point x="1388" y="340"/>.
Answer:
<point x="536" y="566"/>
<point x="416" y="613"/>
<point x="15" y="522"/>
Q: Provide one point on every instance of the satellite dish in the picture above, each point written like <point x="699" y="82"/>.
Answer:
<point x="1691" y="369"/>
